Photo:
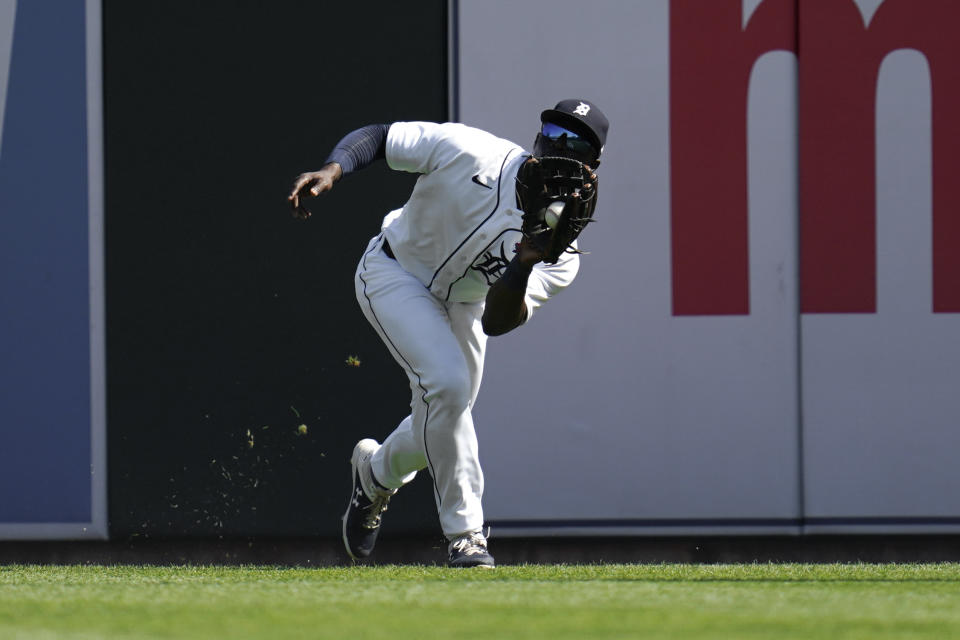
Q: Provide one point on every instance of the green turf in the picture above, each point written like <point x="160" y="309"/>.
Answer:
<point x="612" y="601"/>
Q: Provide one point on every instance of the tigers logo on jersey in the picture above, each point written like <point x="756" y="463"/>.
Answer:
<point x="490" y="265"/>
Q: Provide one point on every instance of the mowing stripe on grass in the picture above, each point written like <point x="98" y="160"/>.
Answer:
<point x="540" y="601"/>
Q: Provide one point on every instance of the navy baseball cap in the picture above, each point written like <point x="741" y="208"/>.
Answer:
<point x="581" y="116"/>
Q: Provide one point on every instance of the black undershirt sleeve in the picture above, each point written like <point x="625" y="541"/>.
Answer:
<point x="358" y="149"/>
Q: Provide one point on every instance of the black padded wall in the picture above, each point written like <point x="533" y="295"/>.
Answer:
<point x="228" y="322"/>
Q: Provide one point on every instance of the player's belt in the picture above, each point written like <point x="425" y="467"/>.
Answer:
<point x="387" y="250"/>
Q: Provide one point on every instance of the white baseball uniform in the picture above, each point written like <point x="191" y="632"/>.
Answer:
<point x="451" y="241"/>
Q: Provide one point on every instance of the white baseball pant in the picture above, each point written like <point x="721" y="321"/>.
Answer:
<point x="441" y="347"/>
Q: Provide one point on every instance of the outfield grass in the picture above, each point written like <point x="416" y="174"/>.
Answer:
<point x="606" y="601"/>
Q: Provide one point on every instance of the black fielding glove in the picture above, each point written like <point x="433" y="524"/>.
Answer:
<point x="558" y="197"/>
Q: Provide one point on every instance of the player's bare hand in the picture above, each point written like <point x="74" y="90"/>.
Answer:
<point x="312" y="183"/>
<point x="528" y="254"/>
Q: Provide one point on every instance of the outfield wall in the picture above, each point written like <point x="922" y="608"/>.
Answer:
<point x="228" y="323"/>
<point x="763" y="339"/>
<point x="52" y="412"/>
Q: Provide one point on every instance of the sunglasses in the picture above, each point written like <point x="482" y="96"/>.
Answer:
<point x="566" y="138"/>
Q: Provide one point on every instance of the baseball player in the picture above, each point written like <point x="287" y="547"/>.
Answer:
<point x="486" y="237"/>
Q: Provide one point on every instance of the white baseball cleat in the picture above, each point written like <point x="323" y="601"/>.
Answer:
<point x="368" y="501"/>
<point x="470" y="550"/>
